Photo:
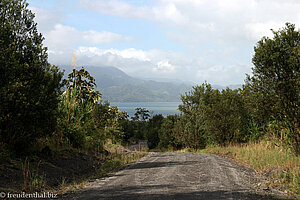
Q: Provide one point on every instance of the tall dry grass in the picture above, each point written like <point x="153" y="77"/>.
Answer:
<point x="278" y="163"/>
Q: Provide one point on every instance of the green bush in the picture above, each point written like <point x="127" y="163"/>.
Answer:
<point x="75" y="136"/>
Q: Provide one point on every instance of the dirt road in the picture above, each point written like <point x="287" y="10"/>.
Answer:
<point x="177" y="176"/>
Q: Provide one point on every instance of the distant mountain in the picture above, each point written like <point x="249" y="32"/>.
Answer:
<point x="117" y="86"/>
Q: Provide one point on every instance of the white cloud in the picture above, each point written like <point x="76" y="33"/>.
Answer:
<point x="224" y="75"/>
<point x="138" y="63"/>
<point x="164" y="66"/>
<point x="213" y="20"/>
<point x="130" y="53"/>
<point x="157" y="64"/>
<point x="255" y="31"/>
<point x="46" y="19"/>
<point x="167" y="11"/>
<point x="62" y="38"/>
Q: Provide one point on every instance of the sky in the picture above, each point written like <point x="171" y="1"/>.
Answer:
<point x="187" y="40"/>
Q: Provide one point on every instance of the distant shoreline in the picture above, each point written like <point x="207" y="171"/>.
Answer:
<point x="164" y="108"/>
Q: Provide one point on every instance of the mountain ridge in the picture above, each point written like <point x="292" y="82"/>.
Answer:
<point x="117" y="86"/>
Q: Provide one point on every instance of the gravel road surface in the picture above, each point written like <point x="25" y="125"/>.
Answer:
<point x="177" y="176"/>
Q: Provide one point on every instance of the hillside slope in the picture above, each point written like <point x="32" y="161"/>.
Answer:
<point x="116" y="86"/>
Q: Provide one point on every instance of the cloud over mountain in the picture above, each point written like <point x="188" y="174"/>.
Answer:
<point x="191" y="40"/>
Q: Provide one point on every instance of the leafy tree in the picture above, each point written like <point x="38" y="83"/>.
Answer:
<point x="82" y="85"/>
<point x="77" y="108"/>
<point x="152" y="130"/>
<point x="276" y="77"/>
<point x="141" y="114"/>
<point x="179" y="133"/>
<point x="226" y="117"/>
<point x="166" y="132"/>
<point x="262" y="103"/>
<point x="211" y="116"/>
<point x="29" y="85"/>
<point x="139" y="122"/>
<point x="128" y="129"/>
<point x="80" y="94"/>
<point x="193" y="108"/>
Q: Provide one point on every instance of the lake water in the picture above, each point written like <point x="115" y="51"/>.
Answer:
<point x="164" y="108"/>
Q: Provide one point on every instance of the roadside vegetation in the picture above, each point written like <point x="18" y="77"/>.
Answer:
<point x="53" y="132"/>
<point x="45" y="120"/>
<point x="276" y="163"/>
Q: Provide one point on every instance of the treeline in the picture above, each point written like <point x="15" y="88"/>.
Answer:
<point x="266" y="106"/>
<point x="40" y="111"/>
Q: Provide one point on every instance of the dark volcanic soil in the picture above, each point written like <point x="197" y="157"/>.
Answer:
<point x="65" y="166"/>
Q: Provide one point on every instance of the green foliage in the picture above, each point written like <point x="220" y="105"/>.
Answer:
<point x="112" y="123"/>
<point x="29" y="85"/>
<point x="211" y="116"/>
<point x="82" y="86"/>
<point x="259" y="101"/>
<point x="85" y="121"/>
<point x="193" y="104"/>
<point x="76" y="108"/>
<point x="166" y="132"/>
<point x="276" y="80"/>
<point x="141" y="114"/>
<point x="254" y="130"/>
<point x="152" y="133"/>
<point x="74" y="135"/>
<point x="137" y="127"/>
<point x="225" y="117"/>
<point x="128" y="129"/>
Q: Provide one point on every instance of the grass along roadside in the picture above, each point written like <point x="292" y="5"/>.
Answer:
<point x="279" y="165"/>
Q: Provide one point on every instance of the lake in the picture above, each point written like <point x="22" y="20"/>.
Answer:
<point x="164" y="108"/>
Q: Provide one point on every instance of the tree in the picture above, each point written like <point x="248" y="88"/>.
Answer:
<point x="211" y="116"/>
<point x="193" y="108"/>
<point x="166" y="132"/>
<point x="141" y="114"/>
<point x="82" y="85"/>
<point x="81" y="96"/>
<point x="276" y="74"/>
<point x="226" y="117"/>
<point x="139" y="122"/>
<point x="79" y="109"/>
<point x="29" y="85"/>
<point x="153" y="127"/>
